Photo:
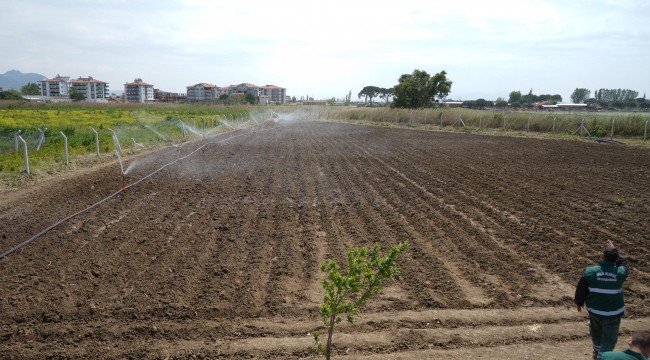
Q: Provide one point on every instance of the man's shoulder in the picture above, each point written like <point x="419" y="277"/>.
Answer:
<point x="622" y="355"/>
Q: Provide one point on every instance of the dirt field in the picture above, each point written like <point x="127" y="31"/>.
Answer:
<point x="217" y="255"/>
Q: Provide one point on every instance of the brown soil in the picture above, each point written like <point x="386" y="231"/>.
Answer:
<point x="217" y="255"/>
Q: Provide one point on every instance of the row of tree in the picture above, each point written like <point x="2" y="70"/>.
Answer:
<point x="610" y="98"/>
<point x="415" y="90"/>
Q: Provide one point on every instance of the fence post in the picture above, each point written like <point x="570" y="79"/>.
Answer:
<point x="396" y="115"/>
<point x="425" y="117"/>
<point x="528" y="125"/>
<point x="25" y="154"/>
<point x="480" y="121"/>
<point x="611" y="134"/>
<point x="370" y="115"/>
<point x="96" y="141"/>
<point x="16" y="136"/>
<point x="504" y="122"/>
<point x="65" y="147"/>
<point x="553" y="131"/>
<point x="645" y="131"/>
<point x="411" y="118"/>
<point x="441" y="120"/>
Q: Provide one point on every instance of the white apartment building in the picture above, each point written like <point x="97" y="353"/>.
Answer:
<point x="57" y="86"/>
<point x="275" y="94"/>
<point x="204" y="92"/>
<point x="138" y="91"/>
<point x="92" y="89"/>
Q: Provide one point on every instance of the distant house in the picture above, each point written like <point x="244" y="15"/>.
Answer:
<point x="453" y="104"/>
<point x="204" y="92"/>
<point x="92" y="89"/>
<point x="138" y="91"/>
<point x="57" y="86"/>
<point x="166" y="96"/>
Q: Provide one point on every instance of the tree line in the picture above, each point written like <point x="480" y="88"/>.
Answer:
<point x="611" y="98"/>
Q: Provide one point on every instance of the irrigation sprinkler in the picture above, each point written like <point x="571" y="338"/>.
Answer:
<point x="41" y="139"/>
<point x="118" y="147"/>
<point x="183" y="128"/>
<point x="65" y="148"/>
<point x="16" y="136"/>
<point x="136" y="144"/>
<point x="96" y="141"/>
<point x="25" y="154"/>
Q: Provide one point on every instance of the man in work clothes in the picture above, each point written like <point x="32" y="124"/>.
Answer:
<point x="639" y="348"/>
<point x="601" y="287"/>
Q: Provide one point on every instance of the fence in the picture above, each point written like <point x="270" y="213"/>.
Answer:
<point x="620" y="125"/>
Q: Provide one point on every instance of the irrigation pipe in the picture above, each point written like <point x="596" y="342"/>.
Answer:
<point x="47" y="229"/>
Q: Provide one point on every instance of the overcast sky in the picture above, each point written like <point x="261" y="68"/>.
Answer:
<point x="326" y="48"/>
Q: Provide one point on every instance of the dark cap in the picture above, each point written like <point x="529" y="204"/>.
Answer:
<point x="610" y="253"/>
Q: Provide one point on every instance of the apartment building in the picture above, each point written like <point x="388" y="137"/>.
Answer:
<point x="57" y="86"/>
<point x="204" y="92"/>
<point x="92" y="89"/>
<point x="138" y="91"/>
<point x="275" y="94"/>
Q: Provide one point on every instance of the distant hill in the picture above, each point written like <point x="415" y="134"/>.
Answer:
<point x="14" y="79"/>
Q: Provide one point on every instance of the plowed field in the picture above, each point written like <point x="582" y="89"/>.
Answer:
<point x="218" y="254"/>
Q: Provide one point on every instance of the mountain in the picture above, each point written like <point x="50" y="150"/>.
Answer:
<point x="14" y="79"/>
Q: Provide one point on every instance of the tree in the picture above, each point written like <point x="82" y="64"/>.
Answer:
<point x="369" y="92"/>
<point x="75" y="95"/>
<point x="419" y="89"/>
<point x="251" y="99"/>
<point x="345" y="293"/>
<point x="580" y="95"/>
<point x="11" y="95"/>
<point x="30" y="89"/>
<point x="348" y="98"/>
<point x="386" y="94"/>
<point x="500" y="103"/>
<point x="514" y="98"/>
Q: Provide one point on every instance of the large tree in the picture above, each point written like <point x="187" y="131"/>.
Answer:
<point x="30" y="89"/>
<point x="580" y="95"/>
<point x="386" y="94"/>
<point x="369" y="92"/>
<point x="419" y="89"/>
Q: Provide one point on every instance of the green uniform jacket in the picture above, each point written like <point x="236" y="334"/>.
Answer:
<point x="623" y="355"/>
<point x="604" y="289"/>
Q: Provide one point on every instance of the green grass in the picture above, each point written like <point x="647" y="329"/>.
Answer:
<point x="131" y="122"/>
<point x="627" y="125"/>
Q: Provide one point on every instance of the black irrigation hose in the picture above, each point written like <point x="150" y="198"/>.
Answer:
<point x="44" y="231"/>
